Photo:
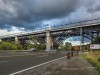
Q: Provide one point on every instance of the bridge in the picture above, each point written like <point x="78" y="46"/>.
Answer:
<point x="52" y="36"/>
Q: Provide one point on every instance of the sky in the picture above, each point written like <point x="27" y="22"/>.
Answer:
<point x="27" y="15"/>
<point x="76" y="40"/>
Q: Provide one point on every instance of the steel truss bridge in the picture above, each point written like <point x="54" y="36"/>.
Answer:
<point x="53" y="36"/>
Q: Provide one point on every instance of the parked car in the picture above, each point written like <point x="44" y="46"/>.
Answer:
<point x="33" y="49"/>
<point x="53" y="51"/>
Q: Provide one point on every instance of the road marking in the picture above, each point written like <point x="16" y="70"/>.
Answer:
<point x="36" y="66"/>
<point x="42" y="56"/>
<point x="16" y="55"/>
<point x="21" y="55"/>
<point x="3" y="61"/>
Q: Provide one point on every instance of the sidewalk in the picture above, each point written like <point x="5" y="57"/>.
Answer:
<point x="76" y="66"/>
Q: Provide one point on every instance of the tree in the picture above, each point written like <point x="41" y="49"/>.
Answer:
<point x="36" y="39"/>
<point x="68" y="46"/>
<point x="96" y="40"/>
<point x="36" y="42"/>
<point x="7" y="46"/>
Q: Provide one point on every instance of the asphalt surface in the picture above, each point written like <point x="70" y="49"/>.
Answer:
<point x="74" y="66"/>
<point x="13" y="64"/>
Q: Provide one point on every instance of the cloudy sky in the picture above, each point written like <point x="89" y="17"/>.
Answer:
<point x="23" y="15"/>
<point x="76" y="40"/>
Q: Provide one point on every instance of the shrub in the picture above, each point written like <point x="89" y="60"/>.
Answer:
<point x="38" y="46"/>
<point x="93" y="58"/>
<point x="7" y="46"/>
<point x="99" y="58"/>
<point x="98" y="66"/>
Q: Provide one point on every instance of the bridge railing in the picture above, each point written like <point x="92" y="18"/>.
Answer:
<point x="75" y="24"/>
<point x="81" y="23"/>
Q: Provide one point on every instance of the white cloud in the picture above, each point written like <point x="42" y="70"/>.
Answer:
<point x="76" y="40"/>
<point x="36" y="13"/>
<point x="13" y="31"/>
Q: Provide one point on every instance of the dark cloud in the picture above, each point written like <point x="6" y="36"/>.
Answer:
<point x="95" y="7"/>
<point x="30" y="14"/>
<point x="24" y="13"/>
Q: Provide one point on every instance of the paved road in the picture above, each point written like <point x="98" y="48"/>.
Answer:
<point x="13" y="64"/>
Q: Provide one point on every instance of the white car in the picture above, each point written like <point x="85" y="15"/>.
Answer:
<point x="33" y="49"/>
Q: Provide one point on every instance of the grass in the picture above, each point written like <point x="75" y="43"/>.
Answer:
<point x="93" y="58"/>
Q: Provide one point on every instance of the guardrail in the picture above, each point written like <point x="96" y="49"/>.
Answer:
<point x="75" y="24"/>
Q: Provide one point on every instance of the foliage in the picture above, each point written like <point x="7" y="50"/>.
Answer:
<point x="93" y="58"/>
<point x="37" y="42"/>
<point x="67" y="46"/>
<point x="99" y="58"/>
<point x="38" y="46"/>
<point x="96" y="40"/>
<point x="19" y="47"/>
<point x="13" y="46"/>
<point x="8" y="46"/>
<point x="36" y="39"/>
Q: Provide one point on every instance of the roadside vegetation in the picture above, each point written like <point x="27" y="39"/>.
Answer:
<point x="37" y="46"/>
<point x="93" y="58"/>
<point x="12" y="46"/>
<point x="7" y="46"/>
<point x="34" y="42"/>
<point x="66" y="46"/>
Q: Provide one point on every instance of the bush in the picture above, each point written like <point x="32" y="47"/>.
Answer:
<point x="93" y="58"/>
<point x="98" y="66"/>
<point x="7" y="46"/>
<point x="38" y="46"/>
<point x="99" y="58"/>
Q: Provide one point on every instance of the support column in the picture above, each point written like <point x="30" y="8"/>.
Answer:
<point x="16" y="40"/>
<point x="0" y="40"/>
<point x="49" y="42"/>
<point x="81" y="35"/>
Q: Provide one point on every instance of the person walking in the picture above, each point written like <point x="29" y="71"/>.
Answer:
<point x="68" y="55"/>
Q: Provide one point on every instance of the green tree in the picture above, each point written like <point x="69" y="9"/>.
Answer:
<point x="96" y="40"/>
<point x="68" y="46"/>
<point x="36" y="42"/>
<point x="38" y="46"/>
<point x="7" y="46"/>
<point x="36" y="39"/>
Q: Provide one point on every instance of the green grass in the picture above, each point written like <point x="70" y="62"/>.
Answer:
<point x="93" y="58"/>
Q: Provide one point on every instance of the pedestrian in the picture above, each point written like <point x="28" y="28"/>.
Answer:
<point x="71" y="53"/>
<point x="68" y="55"/>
